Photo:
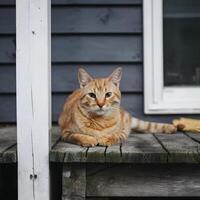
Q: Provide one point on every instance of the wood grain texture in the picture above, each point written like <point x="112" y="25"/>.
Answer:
<point x="145" y="181"/>
<point x="74" y="182"/>
<point x="64" y="76"/>
<point x="65" y="152"/>
<point x="194" y="136"/>
<point x="8" y="145"/>
<point x="10" y="155"/>
<point x="139" y="148"/>
<point x="7" y="20"/>
<point x="8" y="108"/>
<point x="97" y="19"/>
<point x="180" y="147"/>
<point x="84" y="49"/>
<point x="97" y="48"/>
<point x="98" y="2"/>
<point x="85" y="2"/>
<point x="83" y="19"/>
<point x="143" y="148"/>
<point x="33" y="22"/>
<point x="7" y="49"/>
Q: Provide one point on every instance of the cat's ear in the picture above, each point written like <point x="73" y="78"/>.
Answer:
<point x="116" y="76"/>
<point x="83" y="77"/>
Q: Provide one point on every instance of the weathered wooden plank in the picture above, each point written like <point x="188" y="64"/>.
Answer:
<point x="113" y="154"/>
<point x="64" y="77"/>
<point x="7" y="20"/>
<point x="96" y="154"/>
<point x="97" y="48"/>
<point x="143" y="148"/>
<point x="102" y="19"/>
<point x="65" y="152"/>
<point x="10" y="155"/>
<point x="73" y="182"/>
<point x="8" y="144"/>
<point x="55" y="135"/>
<point x="194" y="136"/>
<point x="85" y="2"/>
<point x="145" y="181"/>
<point x="7" y="138"/>
<point x="180" y="147"/>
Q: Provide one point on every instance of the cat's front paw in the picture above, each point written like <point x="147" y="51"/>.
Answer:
<point x="170" y="129"/>
<point x="89" y="142"/>
<point x="107" y="141"/>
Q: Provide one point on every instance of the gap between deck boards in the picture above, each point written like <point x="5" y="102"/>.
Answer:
<point x="139" y="148"/>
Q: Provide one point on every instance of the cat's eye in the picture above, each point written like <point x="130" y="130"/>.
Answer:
<point x="91" y="94"/>
<point x="108" y="94"/>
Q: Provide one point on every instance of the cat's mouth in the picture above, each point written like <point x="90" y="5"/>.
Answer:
<point x="100" y="111"/>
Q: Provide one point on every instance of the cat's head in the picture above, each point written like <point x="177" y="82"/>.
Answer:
<point x="101" y="96"/>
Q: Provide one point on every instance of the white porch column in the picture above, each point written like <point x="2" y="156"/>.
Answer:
<point x="33" y="98"/>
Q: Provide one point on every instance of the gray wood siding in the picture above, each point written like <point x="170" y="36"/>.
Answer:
<point x="95" y="34"/>
<point x="98" y="35"/>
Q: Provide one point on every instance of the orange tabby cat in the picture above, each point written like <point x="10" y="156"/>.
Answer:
<point x="92" y="115"/>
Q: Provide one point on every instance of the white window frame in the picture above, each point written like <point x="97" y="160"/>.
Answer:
<point x="157" y="98"/>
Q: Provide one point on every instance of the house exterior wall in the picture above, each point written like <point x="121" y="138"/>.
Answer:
<point x="98" y="35"/>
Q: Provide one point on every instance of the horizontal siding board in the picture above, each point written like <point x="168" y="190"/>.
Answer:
<point x="83" y="49"/>
<point x="7" y="79"/>
<point x="96" y="19"/>
<point x="64" y="77"/>
<point x="82" y="2"/>
<point x="7" y="2"/>
<point x="7" y="108"/>
<point x="83" y="20"/>
<point x="97" y="48"/>
<point x="96" y="2"/>
<point x="7" y="20"/>
<point x="7" y="49"/>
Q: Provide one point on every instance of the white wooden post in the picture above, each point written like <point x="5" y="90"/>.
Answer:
<point x="33" y="98"/>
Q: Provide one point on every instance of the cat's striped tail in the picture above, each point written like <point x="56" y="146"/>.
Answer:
<point x="138" y="125"/>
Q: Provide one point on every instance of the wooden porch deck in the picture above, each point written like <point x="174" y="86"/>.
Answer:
<point x="145" y="165"/>
<point x="139" y="148"/>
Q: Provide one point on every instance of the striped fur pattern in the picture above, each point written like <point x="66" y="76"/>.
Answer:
<point x="92" y="114"/>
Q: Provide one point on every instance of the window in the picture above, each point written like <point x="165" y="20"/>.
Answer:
<point x="172" y="56"/>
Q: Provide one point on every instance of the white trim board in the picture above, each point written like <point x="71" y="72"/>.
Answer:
<point x="33" y="98"/>
<point x="157" y="98"/>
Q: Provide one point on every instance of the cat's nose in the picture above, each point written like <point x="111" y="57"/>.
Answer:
<point x="100" y="104"/>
